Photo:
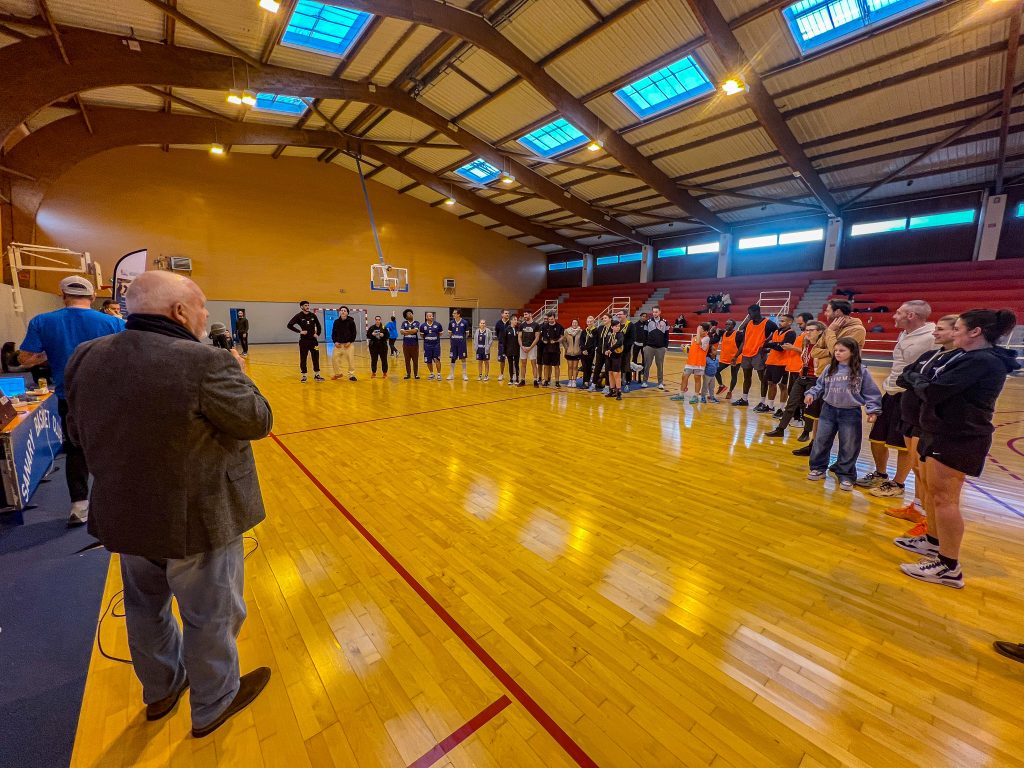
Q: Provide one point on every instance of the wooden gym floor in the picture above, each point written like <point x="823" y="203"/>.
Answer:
<point x="463" y="574"/>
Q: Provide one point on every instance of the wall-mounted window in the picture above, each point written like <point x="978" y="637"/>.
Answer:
<point x="670" y="253"/>
<point x="761" y="241"/>
<point x="479" y="171"/>
<point x="554" y="138"/>
<point x="670" y="86"/>
<point x="1020" y="210"/>
<point x="275" y="102"/>
<point x="576" y="264"/>
<point x="943" y="219"/>
<point x="806" y="236"/>
<point x="947" y="219"/>
<point x="603" y="260"/>
<point x="878" y="227"/>
<point x="626" y="258"/>
<point x="556" y="266"/>
<point x="703" y="248"/>
<point x="818" y="23"/>
<point x="322" y="28"/>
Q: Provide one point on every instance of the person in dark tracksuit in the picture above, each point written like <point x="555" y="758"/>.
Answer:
<point x="600" y="359"/>
<point x="242" y="332"/>
<point x="512" y="349"/>
<point x="307" y="325"/>
<point x="377" y="338"/>
<point x="588" y="351"/>
<point x="636" y="350"/>
<point x="410" y="331"/>
<point x="500" y="331"/>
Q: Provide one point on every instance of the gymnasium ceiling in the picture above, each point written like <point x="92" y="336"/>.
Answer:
<point x="428" y="86"/>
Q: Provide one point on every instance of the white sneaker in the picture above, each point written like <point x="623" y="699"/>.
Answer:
<point x="605" y="391"/>
<point x="935" y="572"/>
<point x="661" y="387"/>
<point x="465" y="377"/>
<point x="918" y="544"/>
<point x="643" y="385"/>
<point x="501" y="377"/>
<point x="451" y="377"/>
<point x="591" y="388"/>
<point x="479" y="377"/>
<point x="636" y="367"/>
<point x="487" y="378"/>
<point x="430" y="377"/>
<point x="79" y="514"/>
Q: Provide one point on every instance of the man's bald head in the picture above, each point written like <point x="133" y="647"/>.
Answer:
<point x="170" y="295"/>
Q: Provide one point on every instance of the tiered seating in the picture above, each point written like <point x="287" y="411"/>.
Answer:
<point x="590" y="301"/>
<point x="949" y="288"/>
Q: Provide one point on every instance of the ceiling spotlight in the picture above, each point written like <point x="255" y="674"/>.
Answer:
<point x="234" y="97"/>
<point x="507" y="178"/>
<point x="270" y="5"/>
<point x="450" y="201"/>
<point x="216" y="149"/>
<point x="594" y="146"/>
<point x="249" y="98"/>
<point x="733" y="86"/>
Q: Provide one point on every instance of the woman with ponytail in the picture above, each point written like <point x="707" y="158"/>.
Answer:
<point x="958" y="400"/>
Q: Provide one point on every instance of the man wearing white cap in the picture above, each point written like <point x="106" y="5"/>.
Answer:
<point x="53" y="337"/>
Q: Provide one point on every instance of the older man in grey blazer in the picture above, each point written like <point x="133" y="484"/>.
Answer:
<point x="166" y="423"/>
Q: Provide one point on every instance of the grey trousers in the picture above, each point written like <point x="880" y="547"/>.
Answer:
<point x="654" y="355"/>
<point x="208" y="588"/>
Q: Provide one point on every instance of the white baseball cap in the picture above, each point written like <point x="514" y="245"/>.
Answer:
<point x="76" y="286"/>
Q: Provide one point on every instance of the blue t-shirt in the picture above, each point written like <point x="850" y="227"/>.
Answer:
<point x="59" y="333"/>
<point x="392" y="329"/>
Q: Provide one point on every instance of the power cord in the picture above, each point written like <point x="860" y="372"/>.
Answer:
<point x="117" y="602"/>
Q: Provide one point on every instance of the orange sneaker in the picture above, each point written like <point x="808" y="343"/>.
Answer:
<point x="908" y="513"/>
<point x="921" y="529"/>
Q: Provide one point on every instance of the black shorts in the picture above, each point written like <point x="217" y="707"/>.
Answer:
<point x="963" y="453"/>
<point x="911" y="430"/>
<point x="614" y="364"/>
<point x="550" y="355"/>
<point x="813" y="411"/>
<point x="572" y="358"/>
<point x="888" y="428"/>
<point x="774" y="374"/>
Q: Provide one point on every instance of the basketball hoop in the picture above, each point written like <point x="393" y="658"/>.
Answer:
<point x="391" y="283"/>
<point x="384" y="277"/>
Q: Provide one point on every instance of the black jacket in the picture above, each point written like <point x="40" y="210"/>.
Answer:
<point x="308" y="322"/>
<point x="959" y="398"/>
<point x="910" y="403"/>
<point x="344" y="331"/>
<point x="628" y="334"/>
<point x="640" y="332"/>
<point x="588" y="342"/>
<point x="241" y="325"/>
<point x="511" y="344"/>
<point x="656" y="334"/>
<point x="501" y="329"/>
<point x="376" y="336"/>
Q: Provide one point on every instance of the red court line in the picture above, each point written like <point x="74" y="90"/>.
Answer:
<point x="445" y="746"/>
<point x="565" y="741"/>
<point x="414" y="413"/>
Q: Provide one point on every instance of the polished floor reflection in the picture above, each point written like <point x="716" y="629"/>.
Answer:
<point x="466" y="574"/>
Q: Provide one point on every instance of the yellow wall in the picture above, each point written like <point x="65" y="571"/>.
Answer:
<point x="259" y="229"/>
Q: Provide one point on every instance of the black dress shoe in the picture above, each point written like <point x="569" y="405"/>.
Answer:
<point x="805" y="451"/>
<point x="249" y="688"/>
<point x="166" y="705"/>
<point x="1013" y="651"/>
<point x="776" y="433"/>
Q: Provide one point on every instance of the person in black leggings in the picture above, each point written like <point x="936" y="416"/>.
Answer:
<point x="512" y="350"/>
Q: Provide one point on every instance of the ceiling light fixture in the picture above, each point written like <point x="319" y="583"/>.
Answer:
<point x="248" y="98"/>
<point x="234" y="96"/>
<point x="216" y="149"/>
<point x="595" y="145"/>
<point x="733" y="86"/>
<point x="270" y="5"/>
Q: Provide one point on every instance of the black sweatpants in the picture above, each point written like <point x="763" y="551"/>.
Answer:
<point x="379" y="353"/>
<point x="391" y="343"/>
<point x="513" y="366"/>
<point x="306" y="349"/>
<point x="600" y="370"/>
<point x="795" y="404"/>
<point x="587" y="364"/>
<point x="243" y="342"/>
<point x="75" y="468"/>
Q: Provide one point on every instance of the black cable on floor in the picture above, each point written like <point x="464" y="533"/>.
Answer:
<point x="117" y="600"/>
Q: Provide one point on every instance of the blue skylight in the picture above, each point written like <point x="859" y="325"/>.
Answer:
<point x="668" y="87"/>
<point x="628" y="257"/>
<point x="602" y="260"/>
<point x="762" y="241"/>
<point x="554" y="138"/>
<point x="1020" y="210"/>
<point x="815" y="23"/>
<point x="576" y="264"/>
<point x="668" y="253"/>
<point x="942" y="219"/>
<point x="323" y="28"/>
<point x="479" y="170"/>
<point x="556" y="266"/>
<point x="703" y="248"/>
<point x="275" y="102"/>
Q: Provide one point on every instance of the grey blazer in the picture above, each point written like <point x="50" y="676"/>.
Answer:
<point x="165" y="424"/>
